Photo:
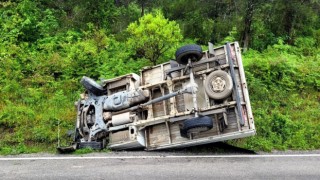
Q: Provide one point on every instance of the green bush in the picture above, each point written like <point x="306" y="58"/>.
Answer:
<point x="45" y="50"/>
<point x="284" y="91"/>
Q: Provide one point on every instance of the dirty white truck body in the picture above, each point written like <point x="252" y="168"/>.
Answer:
<point x="161" y="100"/>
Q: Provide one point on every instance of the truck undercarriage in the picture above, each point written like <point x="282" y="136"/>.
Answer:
<point x="199" y="98"/>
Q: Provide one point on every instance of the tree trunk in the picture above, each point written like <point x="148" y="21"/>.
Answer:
<point x="142" y="8"/>
<point x="246" y="34"/>
<point x="289" y="22"/>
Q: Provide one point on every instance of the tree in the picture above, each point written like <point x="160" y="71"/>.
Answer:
<point x="246" y="34"/>
<point x="153" y="35"/>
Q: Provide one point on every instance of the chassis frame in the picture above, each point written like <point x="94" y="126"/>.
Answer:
<point x="176" y="93"/>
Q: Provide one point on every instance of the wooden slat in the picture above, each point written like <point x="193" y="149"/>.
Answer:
<point x="180" y="104"/>
<point x="158" y="108"/>
<point x="157" y="135"/>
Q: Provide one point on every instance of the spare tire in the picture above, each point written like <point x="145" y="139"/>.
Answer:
<point x="192" y="51"/>
<point x="92" y="86"/>
<point x="196" y="125"/>
<point x="218" y="85"/>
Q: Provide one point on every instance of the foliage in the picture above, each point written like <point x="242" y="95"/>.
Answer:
<point x="84" y="151"/>
<point x="46" y="47"/>
<point x="88" y="150"/>
<point x="284" y="90"/>
<point x="156" y="36"/>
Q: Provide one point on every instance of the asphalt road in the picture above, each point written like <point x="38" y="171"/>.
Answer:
<point x="146" y="165"/>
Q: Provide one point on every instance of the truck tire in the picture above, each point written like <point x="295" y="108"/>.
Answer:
<point x="192" y="51"/>
<point x="93" y="145"/>
<point x="92" y="86"/>
<point x="196" y="125"/>
<point x="218" y="85"/>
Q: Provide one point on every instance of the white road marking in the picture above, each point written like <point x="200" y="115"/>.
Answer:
<point x="77" y="166"/>
<point x="157" y="157"/>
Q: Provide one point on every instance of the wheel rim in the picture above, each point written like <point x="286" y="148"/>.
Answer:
<point x="218" y="84"/>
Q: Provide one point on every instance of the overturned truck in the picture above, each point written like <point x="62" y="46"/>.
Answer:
<point x="198" y="98"/>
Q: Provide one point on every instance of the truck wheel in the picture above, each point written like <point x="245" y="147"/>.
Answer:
<point x="92" y="86"/>
<point x="192" y="51"/>
<point x="196" y="125"/>
<point x="93" y="145"/>
<point x="218" y="85"/>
